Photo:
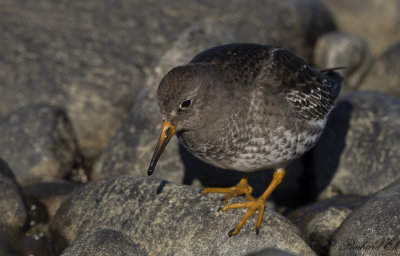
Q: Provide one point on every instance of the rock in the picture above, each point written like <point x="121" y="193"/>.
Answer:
<point x="373" y="228"/>
<point x="12" y="208"/>
<point x="94" y="62"/>
<point x="168" y="219"/>
<point x="339" y="49"/>
<point x="105" y="242"/>
<point x="38" y="143"/>
<point x="365" y="18"/>
<point x="319" y="220"/>
<point x="359" y="152"/>
<point x="51" y="194"/>
<point x="384" y="73"/>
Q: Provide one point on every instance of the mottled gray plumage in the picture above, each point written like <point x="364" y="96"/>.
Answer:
<point x="247" y="107"/>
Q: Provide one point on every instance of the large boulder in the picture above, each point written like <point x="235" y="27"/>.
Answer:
<point x="373" y="228"/>
<point x="168" y="219"/>
<point x="359" y="152"/>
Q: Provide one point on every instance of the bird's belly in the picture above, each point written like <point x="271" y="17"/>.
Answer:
<point x="272" y="150"/>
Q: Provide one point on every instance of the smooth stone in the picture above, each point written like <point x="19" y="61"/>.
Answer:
<point x="38" y="143"/>
<point x="359" y="151"/>
<point x="168" y="219"/>
<point x="384" y="73"/>
<point x="105" y="242"/>
<point x="12" y="208"/>
<point x="373" y="228"/>
<point x="319" y="220"/>
<point x="376" y="21"/>
<point x="339" y="49"/>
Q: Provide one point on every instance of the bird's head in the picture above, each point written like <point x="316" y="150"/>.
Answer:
<point x="182" y="99"/>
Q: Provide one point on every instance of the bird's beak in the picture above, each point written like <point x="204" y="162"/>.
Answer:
<point x="168" y="130"/>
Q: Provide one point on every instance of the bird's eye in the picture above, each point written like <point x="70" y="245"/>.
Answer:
<point x="185" y="104"/>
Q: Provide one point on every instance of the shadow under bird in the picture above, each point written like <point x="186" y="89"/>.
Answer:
<point x="245" y="107"/>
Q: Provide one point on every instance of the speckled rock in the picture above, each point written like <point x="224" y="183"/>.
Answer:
<point x="377" y="21"/>
<point x="38" y="143"/>
<point x="359" y="152"/>
<point x="167" y="219"/>
<point x="105" y="242"/>
<point x="12" y="208"/>
<point x="373" y="228"/>
<point x="384" y="73"/>
<point x="319" y="220"/>
<point x="92" y="58"/>
<point x="339" y="49"/>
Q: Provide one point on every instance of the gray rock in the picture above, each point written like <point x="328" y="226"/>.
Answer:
<point x="373" y="228"/>
<point x="359" y="152"/>
<point x="319" y="220"/>
<point x="12" y="208"/>
<point x="384" y="73"/>
<point x="38" y="143"/>
<point x="92" y="59"/>
<point x="377" y="21"/>
<point x="339" y="49"/>
<point x="167" y="219"/>
<point x="105" y="242"/>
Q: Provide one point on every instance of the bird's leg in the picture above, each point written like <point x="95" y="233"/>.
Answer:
<point x="241" y="188"/>
<point x="257" y="204"/>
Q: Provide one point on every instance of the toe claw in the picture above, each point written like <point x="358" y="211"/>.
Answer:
<point x="257" y="230"/>
<point x="220" y="208"/>
<point x="230" y="233"/>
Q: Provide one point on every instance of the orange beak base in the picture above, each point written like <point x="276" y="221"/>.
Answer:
<point x="168" y="130"/>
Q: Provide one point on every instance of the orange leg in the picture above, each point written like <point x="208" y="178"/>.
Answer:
<point x="257" y="204"/>
<point x="241" y="188"/>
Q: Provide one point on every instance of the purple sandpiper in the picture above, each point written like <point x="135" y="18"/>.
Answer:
<point x="245" y="107"/>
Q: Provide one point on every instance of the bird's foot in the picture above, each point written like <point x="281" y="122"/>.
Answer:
<point x="242" y="188"/>
<point x="256" y="204"/>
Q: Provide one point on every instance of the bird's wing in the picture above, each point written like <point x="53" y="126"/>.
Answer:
<point x="308" y="91"/>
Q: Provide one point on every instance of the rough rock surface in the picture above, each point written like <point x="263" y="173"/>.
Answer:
<point x="359" y="152"/>
<point x="373" y="228"/>
<point x="167" y="219"/>
<point x="384" y="76"/>
<point x="38" y="143"/>
<point x="104" y="242"/>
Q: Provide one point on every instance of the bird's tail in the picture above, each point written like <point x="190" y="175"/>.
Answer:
<point x="336" y="79"/>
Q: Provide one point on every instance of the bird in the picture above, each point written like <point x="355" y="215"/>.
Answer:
<point x="245" y="107"/>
